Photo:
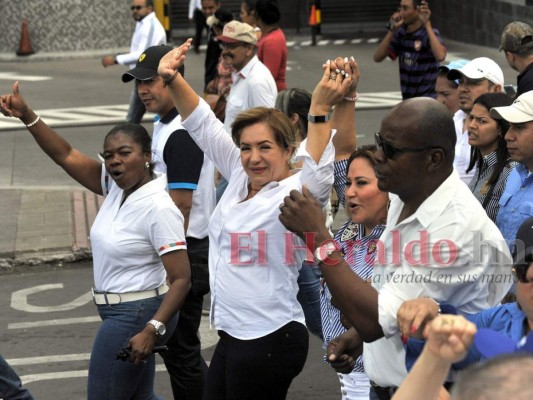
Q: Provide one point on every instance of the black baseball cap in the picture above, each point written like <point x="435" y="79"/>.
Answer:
<point x="146" y="67"/>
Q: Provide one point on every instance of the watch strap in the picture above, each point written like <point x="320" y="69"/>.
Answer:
<point x="317" y="119"/>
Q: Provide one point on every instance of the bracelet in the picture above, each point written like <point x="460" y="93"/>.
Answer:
<point x="439" y="311"/>
<point x="168" y="81"/>
<point x="352" y="99"/>
<point x="34" y="122"/>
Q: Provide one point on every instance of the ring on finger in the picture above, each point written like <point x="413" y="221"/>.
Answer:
<point x="281" y="206"/>
<point x="333" y="76"/>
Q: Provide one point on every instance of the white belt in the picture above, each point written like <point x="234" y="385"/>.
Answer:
<point x="117" y="298"/>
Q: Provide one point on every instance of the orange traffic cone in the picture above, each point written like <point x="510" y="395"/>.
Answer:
<point x="312" y="16"/>
<point x="25" y="48"/>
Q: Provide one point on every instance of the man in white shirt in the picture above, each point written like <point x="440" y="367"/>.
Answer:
<point x="481" y="75"/>
<point x="190" y="177"/>
<point x="439" y="242"/>
<point x="148" y="32"/>
<point x="253" y="84"/>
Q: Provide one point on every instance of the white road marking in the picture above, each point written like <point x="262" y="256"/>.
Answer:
<point x="356" y="41"/>
<point x="52" y="322"/>
<point x="373" y="40"/>
<point x="19" y="300"/>
<point x="306" y="43"/>
<point x="323" y="42"/>
<point x="339" y="42"/>
<point x="14" y="76"/>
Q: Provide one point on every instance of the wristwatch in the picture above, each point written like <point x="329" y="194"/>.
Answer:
<point x="160" y="328"/>
<point x="324" y="252"/>
<point x="316" y="119"/>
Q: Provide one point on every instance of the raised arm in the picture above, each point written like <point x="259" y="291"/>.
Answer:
<point x="184" y="97"/>
<point x="383" y="49"/>
<point x="343" y="119"/>
<point x="438" y="49"/>
<point x="84" y="169"/>
<point x="329" y="91"/>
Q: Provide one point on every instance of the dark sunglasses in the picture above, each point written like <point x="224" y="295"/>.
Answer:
<point x="520" y="272"/>
<point x="132" y="8"/>
<point x="390" y="151"/>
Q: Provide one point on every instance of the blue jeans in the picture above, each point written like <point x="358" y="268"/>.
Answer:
<point x="309" y="297"/>
<point x="112" y="379"/>
<point x="10" y="385"/>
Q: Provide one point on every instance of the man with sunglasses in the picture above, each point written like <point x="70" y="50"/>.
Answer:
<point x="253" y="84"/>
<point x="517" y="44"/>
<point x="148" y="32"/>
<point x="437" y="237"/>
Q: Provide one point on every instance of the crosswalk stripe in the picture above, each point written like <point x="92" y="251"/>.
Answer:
<point x="113" y="114"/>
<point x="14" y="76"/>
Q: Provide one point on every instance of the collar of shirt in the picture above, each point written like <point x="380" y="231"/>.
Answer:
<point x="431" y="208"/>
<point x="169" y="117"/>
<point x="155" y="185"/>
<point x="245" y="71"/>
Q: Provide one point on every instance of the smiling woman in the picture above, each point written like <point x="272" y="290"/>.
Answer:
<point x="263" y="340"/>
<point x="138" y="246"/>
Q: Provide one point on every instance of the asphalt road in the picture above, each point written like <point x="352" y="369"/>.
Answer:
<point x="47" y="319"/>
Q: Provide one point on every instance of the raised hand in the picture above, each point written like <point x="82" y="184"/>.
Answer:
<point x="173" y="60"/>
<point x="331" y="88"/>
<point x="424" y="13"/>
<point x="449" y="337"/>
<point x="13" y="105"/>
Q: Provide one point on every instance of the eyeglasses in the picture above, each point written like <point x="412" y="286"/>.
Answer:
<point x="520" y="272"/>
<point x="390" y="151"/>
<point x="230" y="46"/>
<point x="136" y="8"/>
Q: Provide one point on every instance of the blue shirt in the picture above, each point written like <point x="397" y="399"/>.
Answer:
<point x="507" y="319"/>
<point x="516" y="203"/>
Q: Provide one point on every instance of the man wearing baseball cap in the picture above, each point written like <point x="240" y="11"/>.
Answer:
<point x="447" y="89"/>
<point x="190" y="184"/>
<point x="516" y="203"/>
<point x="253" y="84"/>
<point x="517" y="44"/>
<point x="481" y="75"/>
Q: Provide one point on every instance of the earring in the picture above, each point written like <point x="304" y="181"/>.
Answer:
<point x="146" y="165"/>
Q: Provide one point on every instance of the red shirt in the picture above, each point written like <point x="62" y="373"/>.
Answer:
<point x="272" y="51"/>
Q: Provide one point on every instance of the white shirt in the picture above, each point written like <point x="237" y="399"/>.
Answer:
<point x="128" y="240"/>
<point x="148" y="32"/>
<point x="452" y="218"/>
<point x="203" y="195"/>
<point x="193" y="5"/>
<point x="253" y="86"/>
<point x="258" y="296"/>
<point x="462" y="148"/>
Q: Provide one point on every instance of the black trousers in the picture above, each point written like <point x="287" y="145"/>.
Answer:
<point x="184" y="362"/>
<point x="199" y="23"/>
<point x="258" y="369"/>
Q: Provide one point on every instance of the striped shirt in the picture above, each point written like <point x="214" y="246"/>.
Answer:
<point x="418" y="66"/>
<point x="480" y="188"/>
<point x="359" y="253"/>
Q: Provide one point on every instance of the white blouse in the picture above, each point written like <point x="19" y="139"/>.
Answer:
<point x="253" y="260"/>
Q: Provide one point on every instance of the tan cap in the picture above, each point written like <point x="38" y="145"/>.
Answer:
<point x="517" y="36"/>
<point x="519" y="112"/>
<point x="236" y="31"/>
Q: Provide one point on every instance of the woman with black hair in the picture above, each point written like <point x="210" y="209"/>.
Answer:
<point x="272" y="47"/>
<point x="489" y="152"/>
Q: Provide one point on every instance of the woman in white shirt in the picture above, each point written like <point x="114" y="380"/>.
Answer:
<point x="253" y="259"/>
<point x="138" y="243"/>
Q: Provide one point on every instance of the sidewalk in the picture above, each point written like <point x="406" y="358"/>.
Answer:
<point x="45" y="225"/>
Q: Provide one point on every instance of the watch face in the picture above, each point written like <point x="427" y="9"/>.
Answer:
<point x="162" y="330"/>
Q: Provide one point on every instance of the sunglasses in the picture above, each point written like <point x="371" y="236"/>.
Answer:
<point x="230" y="46"/>
<point x="133" y="8"/>
<point x="520" y="272"/>
<point x="390" y="151"/>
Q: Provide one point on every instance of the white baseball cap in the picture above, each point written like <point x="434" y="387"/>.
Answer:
<point x="479" y="68"/>
<point x="518" y="112"/>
